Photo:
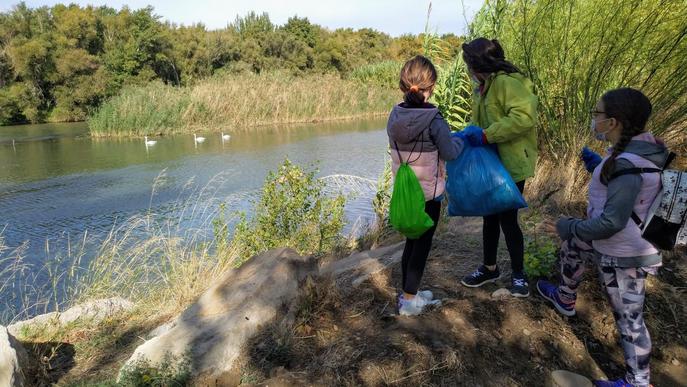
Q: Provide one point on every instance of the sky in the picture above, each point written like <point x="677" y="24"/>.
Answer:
<point x="394" y="17"/>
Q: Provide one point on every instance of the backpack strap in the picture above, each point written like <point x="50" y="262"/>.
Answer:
<point x="417" y="139"/>
<point x="669" y="159"/>
<point x="398" y="151"/>
<point x="636" y="219"/>
<point x="634" y="171"/>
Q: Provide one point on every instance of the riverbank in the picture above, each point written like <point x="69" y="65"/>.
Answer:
<point x="343" y="334"/>
<point x="229" y="103"/>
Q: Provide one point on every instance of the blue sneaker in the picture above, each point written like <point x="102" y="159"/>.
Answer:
<point x="519" y="286"/>
<point x="550" y="292"/>
<point x="612" y="383"/>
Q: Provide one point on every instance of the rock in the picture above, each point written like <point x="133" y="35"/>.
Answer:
<point x="12" y="358"/>
<point x="94" y="311"/>
<point x="501" y="293"/>
<point x="213" y="330"/>
<point x="161" y="329"/>
<point x="562" y="378"/>
<point x="676" y="362"/>
<point x="526" y="332"/>
<point x="360" y="266"/>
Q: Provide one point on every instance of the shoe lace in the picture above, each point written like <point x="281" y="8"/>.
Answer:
<point x="519" y="282"/>
<point x="476" y="273"/>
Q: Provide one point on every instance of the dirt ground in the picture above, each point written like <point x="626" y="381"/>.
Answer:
<point x="352" y="336"/>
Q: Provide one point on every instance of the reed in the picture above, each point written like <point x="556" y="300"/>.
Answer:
<point x="574" y="51"/>
<point x="238" y="102"/>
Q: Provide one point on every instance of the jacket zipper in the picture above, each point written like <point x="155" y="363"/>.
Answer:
<point x="526" y="155"/>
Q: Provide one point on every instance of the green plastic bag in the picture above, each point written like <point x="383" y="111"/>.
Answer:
<point x="407" y="208"/>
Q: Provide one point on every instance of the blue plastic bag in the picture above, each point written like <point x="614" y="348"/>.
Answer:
<point x="479" y="185"/>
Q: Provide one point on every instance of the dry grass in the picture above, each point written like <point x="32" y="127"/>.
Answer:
<point x="559" y="184"/>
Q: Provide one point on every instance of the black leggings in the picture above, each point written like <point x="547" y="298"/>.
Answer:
<point x="491" y="231"/>
<point x="416" y="251"/>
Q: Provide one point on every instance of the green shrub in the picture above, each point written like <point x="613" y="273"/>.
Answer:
<point x="292" y="211"/>
<point x="171" y="372"/>
<point x="540" y="257"/>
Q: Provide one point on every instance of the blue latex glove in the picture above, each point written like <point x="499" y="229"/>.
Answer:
<point x="475" y="135"/>
<point x="590" y="158"/>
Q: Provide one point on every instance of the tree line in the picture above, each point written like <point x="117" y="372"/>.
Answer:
<point x="59" y="63"/>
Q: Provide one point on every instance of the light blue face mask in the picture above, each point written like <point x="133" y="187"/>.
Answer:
<point x="601" y="136"/>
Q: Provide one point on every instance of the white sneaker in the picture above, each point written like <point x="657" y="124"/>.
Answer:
<point x="426" y="294"/>
<point x="415" y="306"/>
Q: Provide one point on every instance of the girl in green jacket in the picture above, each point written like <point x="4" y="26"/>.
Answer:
<point x="504" y="113"/>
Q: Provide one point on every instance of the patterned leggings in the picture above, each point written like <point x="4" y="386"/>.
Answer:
<point x="625" y="290"/>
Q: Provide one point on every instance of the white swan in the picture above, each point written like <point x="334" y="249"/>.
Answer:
<point x="226" y="137"/>
<point x="149" y="142"/>
<point x="198" y="139"/>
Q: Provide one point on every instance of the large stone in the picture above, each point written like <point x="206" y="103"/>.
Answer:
<point x="213" y="330"/>
<point x="12" y="357"/>
<point x="358" y="267"/>
<point x="93" y="311"/>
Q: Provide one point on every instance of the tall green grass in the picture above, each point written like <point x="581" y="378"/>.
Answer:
<point x="385" y="74"/>
<point x="231" y="102"/>
<point x="452" y="93"/>
<point x="576" y="50"/>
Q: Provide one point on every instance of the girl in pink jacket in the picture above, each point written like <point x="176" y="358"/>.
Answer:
<point x="609" y="236"/>
<point x="419" y="135"/>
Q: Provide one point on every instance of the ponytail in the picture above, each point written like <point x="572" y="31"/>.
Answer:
<point x="418" y="75"/>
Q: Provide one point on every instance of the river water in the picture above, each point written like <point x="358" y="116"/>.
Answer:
<point x="57" y="183"/>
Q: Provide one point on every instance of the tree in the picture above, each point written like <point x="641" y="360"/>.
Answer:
<point x="59" y="63"/>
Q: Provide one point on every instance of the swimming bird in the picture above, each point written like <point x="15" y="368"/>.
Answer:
<point x="198" y="139"/>
<point x="149" y="142"/>
<point x="225" y="136"/>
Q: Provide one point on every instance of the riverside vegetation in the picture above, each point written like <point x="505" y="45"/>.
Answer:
<point x="236" y="102"/>
<point x="62" y="63"/>
<point x="573" y="51"/>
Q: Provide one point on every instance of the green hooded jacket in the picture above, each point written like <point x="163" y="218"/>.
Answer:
<point x="507" y="111"/>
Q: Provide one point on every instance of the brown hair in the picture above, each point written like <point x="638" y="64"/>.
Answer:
<point x="417" y="76"/>
<point x="486" y="56"/>
<point x="632" y="109"/>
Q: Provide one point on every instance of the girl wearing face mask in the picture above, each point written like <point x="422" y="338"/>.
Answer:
<point x="608" y="237"/>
